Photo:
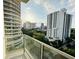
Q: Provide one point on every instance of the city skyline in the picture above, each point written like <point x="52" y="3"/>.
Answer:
<point x="32" y="41"/>
<point x="38" y="10"/>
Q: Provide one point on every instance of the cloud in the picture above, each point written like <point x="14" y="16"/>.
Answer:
<point x="29" y="15"/>
<point x="37" y="1"/>
<point x="71" y="6"/>
<point x="48" y="7"/>
<point x="72" y="2"/>
<point x="61" y="2"/>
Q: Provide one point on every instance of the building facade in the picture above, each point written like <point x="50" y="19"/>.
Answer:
<point x="58" y="25"/>
<point x="12" y="24"/>
<point x="42" y="26"/>
<point x="29" y="25"/>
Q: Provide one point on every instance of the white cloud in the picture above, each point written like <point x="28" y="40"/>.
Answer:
<point x="61" y="2"/>
<point x="49" y="7"/>
<point x="28" y="8"/>
<point x="71" y="0"/>
<point x="29" y="15"/>
<point x="46" y="5"/>
<point x="71" y="4"/>
<point x="37" y="1"/>
<point x="71" y="8"/>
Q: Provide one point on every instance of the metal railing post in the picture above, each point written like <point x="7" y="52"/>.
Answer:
<point x="42" y="51"/>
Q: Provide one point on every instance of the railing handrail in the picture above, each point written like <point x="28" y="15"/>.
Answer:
<point x="52" y="48"/>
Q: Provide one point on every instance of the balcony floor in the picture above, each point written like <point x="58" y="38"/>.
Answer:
<point x="16" y="54"/>
<point x="19" y="57"/>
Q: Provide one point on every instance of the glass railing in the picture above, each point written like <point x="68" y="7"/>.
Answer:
<point x="39" y="50"/>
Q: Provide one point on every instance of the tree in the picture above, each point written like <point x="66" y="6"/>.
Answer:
<point x="27" y="32"/>
<point x="72" y="35"/>
<point x="39" y="36"/>
<point x="68" y="39"/>
<point x="57" y="43"/>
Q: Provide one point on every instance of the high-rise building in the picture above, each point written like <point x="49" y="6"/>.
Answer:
<point x="29" y="25"/>
<point x="58" y="25"/>
<point x="12" y="23"/>
<point x="42" y="26"/>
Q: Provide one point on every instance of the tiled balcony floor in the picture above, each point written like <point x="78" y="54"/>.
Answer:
<point x="16" y="54"/>
<point x="19" y="57"/>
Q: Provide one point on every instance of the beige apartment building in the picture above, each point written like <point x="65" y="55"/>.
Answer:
<point x="12" y="23"/>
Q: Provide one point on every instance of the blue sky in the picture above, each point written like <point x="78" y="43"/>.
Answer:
<point x="37" y="10"/>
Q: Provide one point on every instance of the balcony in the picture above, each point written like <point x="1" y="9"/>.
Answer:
<point x="38" y="50"/>
<point x="34" y="49"/>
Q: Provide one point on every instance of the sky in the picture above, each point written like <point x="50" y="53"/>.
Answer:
<point x="37" y="10"/>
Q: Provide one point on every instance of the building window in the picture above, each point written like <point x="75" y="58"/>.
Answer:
<point x="50" y="21"/>
<point x="55" y="19"/>
<point x="55" y="32"/>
